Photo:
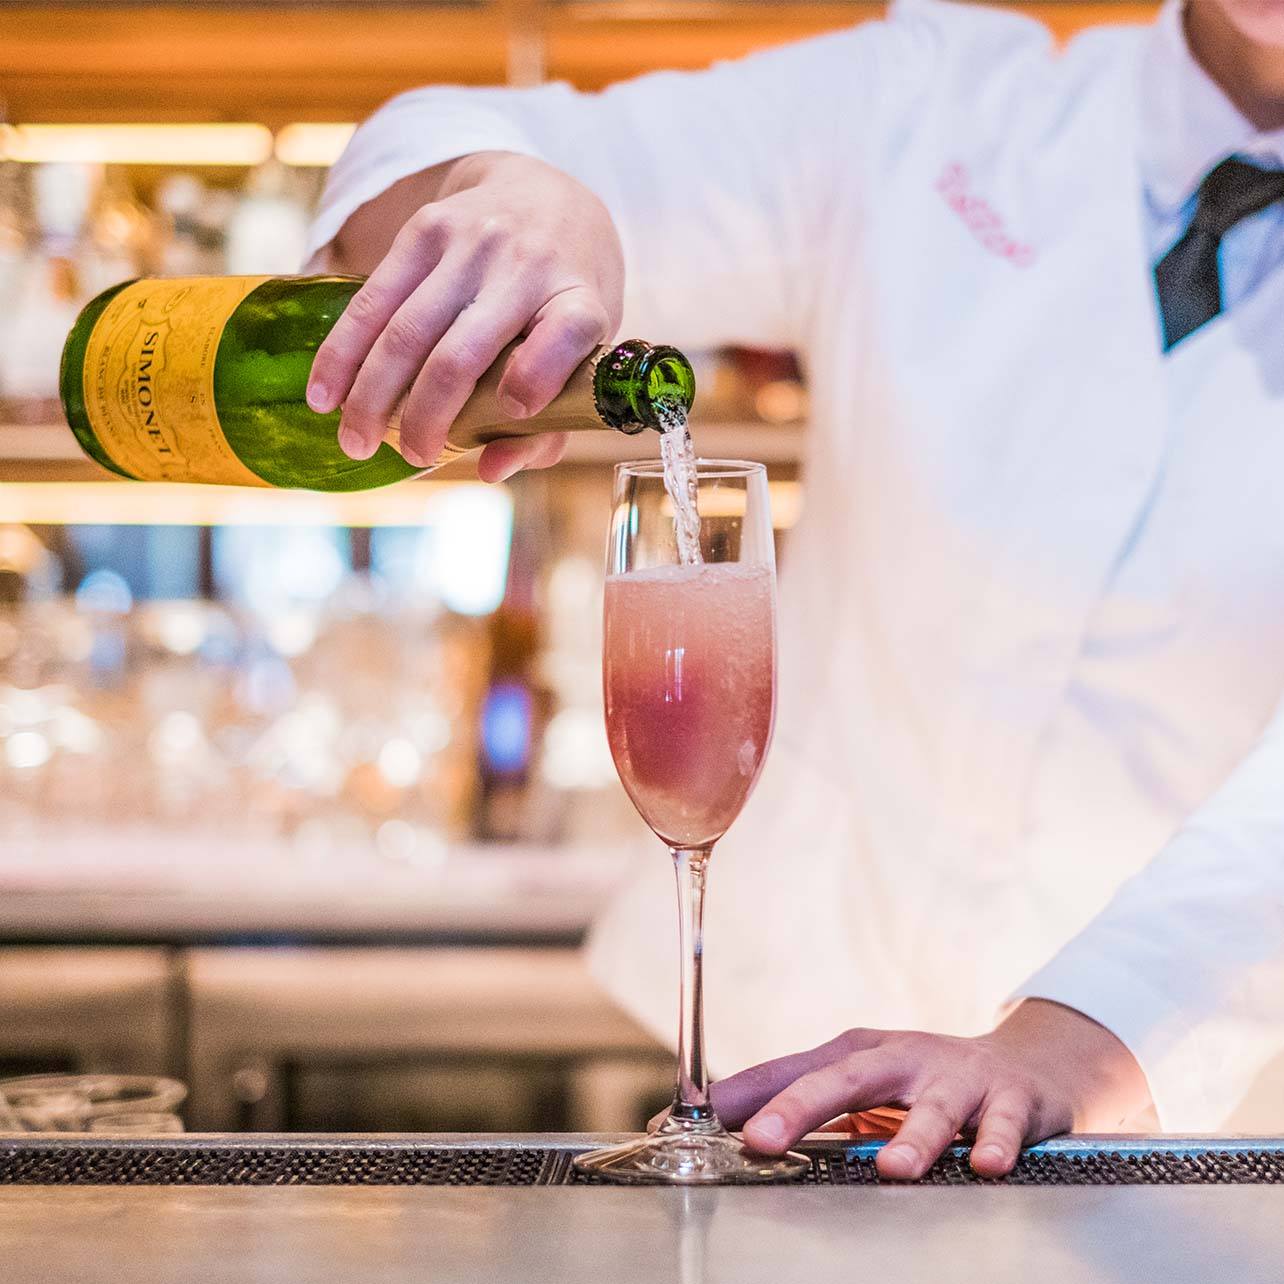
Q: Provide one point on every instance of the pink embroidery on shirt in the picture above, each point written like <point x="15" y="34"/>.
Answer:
<point x="981" y="219"/>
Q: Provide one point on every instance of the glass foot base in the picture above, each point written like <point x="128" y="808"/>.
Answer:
<point x="688" y="1157"/>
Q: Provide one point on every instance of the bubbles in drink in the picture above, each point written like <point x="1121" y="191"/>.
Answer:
<point x="678" y="457"/>
<point x="689" y="668"/>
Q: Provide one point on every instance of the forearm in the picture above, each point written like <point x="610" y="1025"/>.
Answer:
<point x="1186" y="963"/>
<point x="1114" y="1093"/>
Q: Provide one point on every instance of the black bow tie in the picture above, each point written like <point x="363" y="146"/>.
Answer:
<point x="1188" y="277"/>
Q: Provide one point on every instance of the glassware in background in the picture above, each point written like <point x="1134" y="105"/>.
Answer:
<point x="118" y="236"/>
<point x="137" y="1125"/>
<point x="268" y="231"/>
<point x="333" y="731"/>
<point x="191" y="221"/>
<point x="75" y="1103"/>
<point x="14" y="232"/>
<point x="689" y="675"/>
<point x="47" y="1109"/>
<point x="327" y="714"/>
<point x="48" y="293"/>
<point x="66" y="232"/>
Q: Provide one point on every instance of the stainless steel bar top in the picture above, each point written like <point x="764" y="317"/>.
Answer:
<point x="974" y="1234"/>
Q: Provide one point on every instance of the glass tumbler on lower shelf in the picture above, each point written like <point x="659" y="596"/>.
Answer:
<point x="79" y="1102"/>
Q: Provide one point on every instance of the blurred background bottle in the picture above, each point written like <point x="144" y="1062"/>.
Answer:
<point x="269" y="224"/>
<point x="15" y="228"/>
<point x="191" y="232"/>
<point x="47" y="292"/>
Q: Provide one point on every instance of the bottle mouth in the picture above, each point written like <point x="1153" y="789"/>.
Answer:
<point x="666" y="375"/>
<point x="654" y="377"/>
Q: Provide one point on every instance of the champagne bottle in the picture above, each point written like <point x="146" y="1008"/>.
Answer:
<point x="202" y="379"/>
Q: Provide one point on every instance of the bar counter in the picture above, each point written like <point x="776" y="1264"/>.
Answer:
<point x="1227" y="1227"/>
<point x="138" y="887"/>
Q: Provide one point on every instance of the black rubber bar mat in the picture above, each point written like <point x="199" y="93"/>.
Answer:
<point x="55" y="1162"/>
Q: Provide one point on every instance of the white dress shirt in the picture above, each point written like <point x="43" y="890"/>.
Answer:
<point x="1032" y="619"/>
<point x="1123" y="751"/>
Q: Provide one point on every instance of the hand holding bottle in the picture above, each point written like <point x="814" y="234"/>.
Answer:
<point x="462" y="260"/>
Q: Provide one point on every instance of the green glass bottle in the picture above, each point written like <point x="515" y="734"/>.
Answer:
<point x="202" y="379"/>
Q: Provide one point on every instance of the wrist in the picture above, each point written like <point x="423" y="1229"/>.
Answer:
<point x="1104" y="1081"/>
<point x="475" y="169"/>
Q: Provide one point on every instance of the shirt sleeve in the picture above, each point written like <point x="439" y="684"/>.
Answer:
<point x="722" y="182"/>
<point x="1186" y="964"/>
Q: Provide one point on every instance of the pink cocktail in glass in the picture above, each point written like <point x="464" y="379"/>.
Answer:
<point x="689" y="678"/>
<point x="689" y="669"/>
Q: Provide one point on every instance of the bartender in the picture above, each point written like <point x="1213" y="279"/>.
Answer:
<point x="1016" y="864"/>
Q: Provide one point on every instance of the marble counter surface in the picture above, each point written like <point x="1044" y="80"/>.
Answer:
<point x="992" y="1234"/>
<point x="228" y="1235"/>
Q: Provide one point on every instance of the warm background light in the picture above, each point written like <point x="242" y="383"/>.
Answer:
<point x="137" y="144"/>
<point x="312" y="144"/>
<point x="306" y="144"/>
<point x="110" y="503"/>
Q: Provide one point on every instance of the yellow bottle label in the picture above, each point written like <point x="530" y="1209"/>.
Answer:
<point x="149" y="380"/>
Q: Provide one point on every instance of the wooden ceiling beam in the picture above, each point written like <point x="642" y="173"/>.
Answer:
<point x="224" y="62"/>
<point x="279" y="62"/>
<point x="592" y="44"/>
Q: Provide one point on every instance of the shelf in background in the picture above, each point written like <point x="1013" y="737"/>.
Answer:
<point x="45" y="443"/>
<point x="767" y="443"/>
<point x="49" y="453"/>
<point x="133" y="884"/>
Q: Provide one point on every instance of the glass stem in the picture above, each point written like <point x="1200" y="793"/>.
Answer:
<point x="691" y="1103"/>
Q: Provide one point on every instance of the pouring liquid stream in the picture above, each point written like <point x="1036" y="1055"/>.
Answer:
<point x="678" y="457"/>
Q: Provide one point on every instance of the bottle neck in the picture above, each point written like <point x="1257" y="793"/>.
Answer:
<point x="625" y="387"/>
<point x="634" y="381"/>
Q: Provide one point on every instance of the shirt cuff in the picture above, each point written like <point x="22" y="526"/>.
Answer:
<point x="412" y="133"/>
<point x="1148" y="1023"/>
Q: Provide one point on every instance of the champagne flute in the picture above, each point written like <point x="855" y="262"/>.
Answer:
<point x="689" y="678"/>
